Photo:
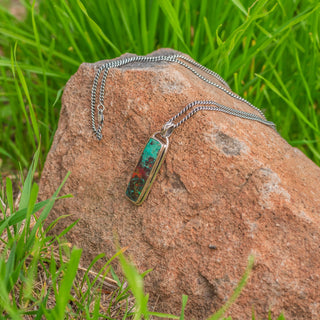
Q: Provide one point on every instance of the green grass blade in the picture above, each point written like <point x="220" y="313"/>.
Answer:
<point x="30" y="105"/>
<point x="126" y="23"/>
<point x="6" y="303"/>
<point x="9" y="194"/>
<point x="64" y="232"/>
<point x="44" y="214"/>
<point x="97" y="29"/>
<point x="173" y="19"/>
<point x="33" y="69"/>
<point x="5" y="153"/>
<point x="25" y="194"/>
<point x="45" y="86"/>
<point x="240" y="6"/>
<point x="153" y="15"/>
<point x="236" y="292"/>
<point x="10" y="265"/>
<point x="135" y="282"/>
<point x="31" y="205"/>
<point x="25" y="40"/>
<point x="143" y="26"/>
<point x="66" y="8"/>
<point x="184" y="304"/>
<point x="63" y="296"/>
<point x="20" y="215"/>
<point x="162" y="315"/>
<point x="291" y="104"/>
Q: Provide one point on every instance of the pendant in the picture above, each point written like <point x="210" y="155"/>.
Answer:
<point x="147" y="168"/>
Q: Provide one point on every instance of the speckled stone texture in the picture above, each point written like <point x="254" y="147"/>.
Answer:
<point x="226" y="182"/>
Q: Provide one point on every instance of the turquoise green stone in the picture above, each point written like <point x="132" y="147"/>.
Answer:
<point x="143" y="169"/>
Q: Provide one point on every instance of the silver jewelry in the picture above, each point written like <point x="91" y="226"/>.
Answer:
<point x="157" y="146"/>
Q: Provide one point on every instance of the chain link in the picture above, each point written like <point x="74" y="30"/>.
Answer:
<point x="209" y="105"/>
<point x="205" y="105"/>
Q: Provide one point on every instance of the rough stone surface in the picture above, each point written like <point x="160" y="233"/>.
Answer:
<point x="226" y="182"/>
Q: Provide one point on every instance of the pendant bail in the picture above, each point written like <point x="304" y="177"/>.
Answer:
<point x="100" y="117"/>
<point x="167" y="129"/>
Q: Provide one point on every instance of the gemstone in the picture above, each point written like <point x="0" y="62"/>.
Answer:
<point x="142" y="176"/>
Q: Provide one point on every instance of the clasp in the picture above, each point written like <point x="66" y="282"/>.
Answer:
<point x="167" y="129"/>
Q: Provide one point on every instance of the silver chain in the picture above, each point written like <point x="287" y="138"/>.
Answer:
<point x="206" y="105"/>
<point x="209" y="105"/>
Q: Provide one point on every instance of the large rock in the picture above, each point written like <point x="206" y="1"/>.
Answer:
<point x="226" y="182"/>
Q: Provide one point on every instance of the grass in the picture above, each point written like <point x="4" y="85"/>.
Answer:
<point x="41" y="276"/>
<point x="268" y="51"/>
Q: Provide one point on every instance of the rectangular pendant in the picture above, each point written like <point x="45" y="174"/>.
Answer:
<point x="147" y="168"/>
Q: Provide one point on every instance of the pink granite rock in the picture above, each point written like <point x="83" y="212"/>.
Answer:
<point x="227" y="183"/>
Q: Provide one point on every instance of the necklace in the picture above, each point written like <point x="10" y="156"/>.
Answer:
<point x="156" y="148"/>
